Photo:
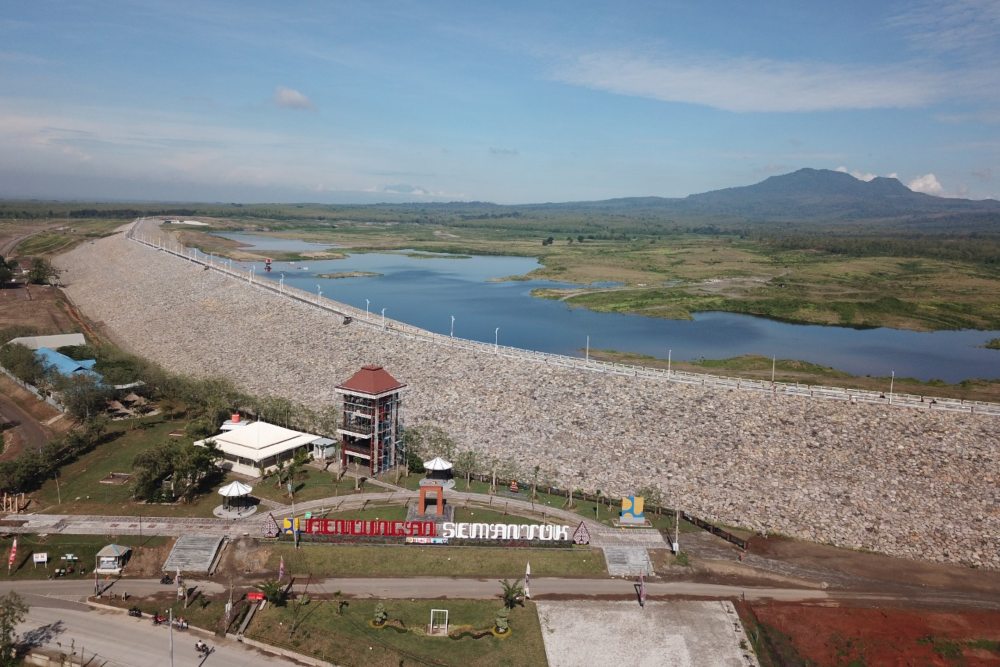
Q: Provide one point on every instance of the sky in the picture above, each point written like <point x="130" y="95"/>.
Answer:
<point x="510" y="102"/>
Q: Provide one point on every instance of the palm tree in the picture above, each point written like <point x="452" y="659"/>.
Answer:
<point x="273" y="591"/>
<point x="512" y="593"/>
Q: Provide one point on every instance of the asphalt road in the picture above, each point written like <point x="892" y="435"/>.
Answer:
<point x="114" y="639"/>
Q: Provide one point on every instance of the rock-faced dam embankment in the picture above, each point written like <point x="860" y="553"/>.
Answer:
<point x="905" y="482"/>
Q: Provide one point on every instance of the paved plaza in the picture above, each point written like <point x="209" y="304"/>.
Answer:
<point x="681" y="634"/>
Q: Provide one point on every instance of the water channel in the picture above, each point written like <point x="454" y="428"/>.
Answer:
<point x="427" y="290"/>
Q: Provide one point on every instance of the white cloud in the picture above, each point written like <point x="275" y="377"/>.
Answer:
<point x="289" y="98"/>
<point x="928" y="184"/>
<point x="861" y="176"/>
<point x="754" y="84"/>
<point x="957" y="26"/>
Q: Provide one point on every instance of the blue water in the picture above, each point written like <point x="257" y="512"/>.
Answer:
<point x="428" y="291"/>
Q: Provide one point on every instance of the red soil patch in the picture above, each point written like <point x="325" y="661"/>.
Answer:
<point x="861" y="636"/>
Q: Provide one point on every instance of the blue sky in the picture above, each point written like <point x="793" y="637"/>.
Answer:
<point x="509" y="102"/>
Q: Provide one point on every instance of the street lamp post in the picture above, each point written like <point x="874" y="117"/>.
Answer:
<point x="892" y="381"/>
<point x="281" y="283"/>
<point x="670" y="354"/>
<point x="588" y="348"/>
<point x="496" y="341"/>
<point x="383" y="318"/>
<point x="452" y="326"/>
<point x="319" y="292"/>
<point x="366" y="309"/>
<point x="774" y="361"/>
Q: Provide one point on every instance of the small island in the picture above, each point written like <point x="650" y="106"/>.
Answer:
<point x="348" y="274"/>
<point x="993" y="344"/>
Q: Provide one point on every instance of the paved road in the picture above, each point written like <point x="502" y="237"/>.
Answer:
<point x="111" y="638"/>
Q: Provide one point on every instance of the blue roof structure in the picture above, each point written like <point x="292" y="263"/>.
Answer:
<point x="63" y="365"/>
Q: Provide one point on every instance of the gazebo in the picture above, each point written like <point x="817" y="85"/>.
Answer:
<point x="234" y="494"/>
<point x="438" y="472"/>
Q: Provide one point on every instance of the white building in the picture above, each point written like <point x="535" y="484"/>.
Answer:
<point x="258" y="447"/>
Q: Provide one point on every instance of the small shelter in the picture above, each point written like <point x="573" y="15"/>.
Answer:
<point x="111" y="559"/>
<point x="438" y="472"/>
<point x="235" y="494"/>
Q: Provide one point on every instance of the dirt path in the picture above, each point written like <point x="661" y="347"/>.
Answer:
<point x="30" y="433"/>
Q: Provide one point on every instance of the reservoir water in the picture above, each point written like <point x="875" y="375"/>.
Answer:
<point x="426" y="290"/>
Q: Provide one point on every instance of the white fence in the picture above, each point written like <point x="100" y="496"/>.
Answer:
<point x="154" y="238"/>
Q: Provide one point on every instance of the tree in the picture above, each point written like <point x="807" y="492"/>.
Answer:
<point x="501" y="623"/>
<point x="512" y="593"/>
<point x="651" y="495"/>
<point x="6" y="272"/>
<point x="42" y="272"/>
<point x="13" y="610"/>
<point x="273" y="590"/>
<point x="83" y="396"/>
<point x="22" y="363"/>
<point x="381" y="615"/>
<point x="465" y="464"/>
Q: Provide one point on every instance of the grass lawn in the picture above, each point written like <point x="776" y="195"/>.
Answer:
<point x="410" y="560"/>
<point x="310" y="484"/>
<point x="84" y="547"/>
<point x="82" y="492"/>
<point x="348" y="639"/>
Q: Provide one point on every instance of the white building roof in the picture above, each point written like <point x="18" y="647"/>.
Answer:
<point x="259" y="440"/>
<point x="53" y="342"/>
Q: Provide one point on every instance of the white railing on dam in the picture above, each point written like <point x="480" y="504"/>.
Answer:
<point x="155" y="238"/>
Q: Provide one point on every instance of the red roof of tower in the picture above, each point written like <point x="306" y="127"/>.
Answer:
<point x="371" y="379"/>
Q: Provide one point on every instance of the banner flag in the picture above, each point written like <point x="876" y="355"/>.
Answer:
<point x="527" y="580"/>
<point x="13" y="555"/>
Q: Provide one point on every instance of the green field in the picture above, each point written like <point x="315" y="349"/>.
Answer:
<point x="322" y="560"/>
<point x="79" y="484"/>
<point x="348" y="639"/>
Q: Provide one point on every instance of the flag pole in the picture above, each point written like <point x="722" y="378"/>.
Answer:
<point x="527" y="580"/>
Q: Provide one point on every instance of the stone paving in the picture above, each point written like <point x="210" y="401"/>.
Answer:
<point x="627" y="561"/>
<point x="910" y="483"/>
<point x="193" y="553"/>
<point x="681" y="634"/>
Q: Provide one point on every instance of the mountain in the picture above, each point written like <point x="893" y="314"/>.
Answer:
<point x="830" y="195"/>
<point x="808" y="195"/>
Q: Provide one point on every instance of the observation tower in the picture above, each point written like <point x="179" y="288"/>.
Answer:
<point x="369" y="431"/>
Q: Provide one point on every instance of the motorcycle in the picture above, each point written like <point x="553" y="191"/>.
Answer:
<point x="166" y="579"/>
<point x="136" y="612"/>
<point x="159" y="620"/>
<point x="203" y="649"/>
